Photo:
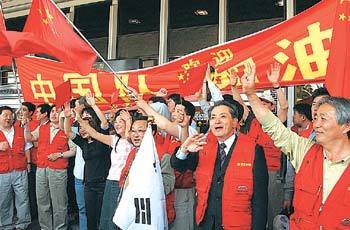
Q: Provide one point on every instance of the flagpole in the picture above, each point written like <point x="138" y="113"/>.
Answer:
<point x="93" y="48"/>
<point x="14" y="71"/>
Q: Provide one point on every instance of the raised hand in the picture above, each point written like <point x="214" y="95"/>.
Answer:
<point x="207" y="74"/>
<point x="274" y="74"/>
<point x="67" y="111"/>
<point x="125" y="115"/>
<point x="132" y="94"/>
<point x="248" y="79"/>
<point x="162" y="92"/>
<point x="193" y="143"/>
<point x="233" y="78"/>
<point x="90" y="99"/>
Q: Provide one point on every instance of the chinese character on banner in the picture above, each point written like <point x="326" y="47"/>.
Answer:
<point x="42" y="89"/>
<point x="83" y="84"/>
<point x="311" y="54"/>
<point x="222" y="56"/>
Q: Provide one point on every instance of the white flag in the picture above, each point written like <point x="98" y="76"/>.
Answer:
<point x="142" y="205"/>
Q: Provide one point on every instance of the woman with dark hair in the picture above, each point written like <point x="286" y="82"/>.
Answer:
<point x="96" y="156"/>
<point x="120" y="151"/>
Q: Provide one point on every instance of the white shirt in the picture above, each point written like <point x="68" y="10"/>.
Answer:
<point x="119" y="155"/>
<point x="79" y="162"/>
<point x="9" y="135"/>
<point x="228" y="143"/>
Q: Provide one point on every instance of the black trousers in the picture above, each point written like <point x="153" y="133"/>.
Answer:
<point x="32" y="192"/>
<point x="93" y="192"/>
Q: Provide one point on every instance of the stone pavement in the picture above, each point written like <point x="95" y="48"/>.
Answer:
<point x="35" y="226"/>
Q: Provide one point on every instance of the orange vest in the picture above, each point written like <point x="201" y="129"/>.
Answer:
<point x="238" y="183"/>
<point x="272" y="153"/>
<point x="170" y="198"/>
<point x="310" y="213"/>
<point x="182" y="180"/>
<point x="45" y="148"/>
<point x="13" y="158"/>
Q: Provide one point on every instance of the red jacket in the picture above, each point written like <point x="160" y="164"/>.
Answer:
<point x="170" y="198"/>
<point x="310" y="213"/>
<point x="238" y="183"/>
<point x="45" y="148"/>
<point x="272" y="153"/>
<point x="13" y="158"/>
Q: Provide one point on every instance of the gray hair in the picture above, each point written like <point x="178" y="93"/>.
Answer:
<point x="232" y="108"/>
<point x="341" y="106"/>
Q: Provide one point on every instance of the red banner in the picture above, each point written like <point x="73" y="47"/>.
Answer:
<point x="301" y="45"/>
<point x="39" y="78"/>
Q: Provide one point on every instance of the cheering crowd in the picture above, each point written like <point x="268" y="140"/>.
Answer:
<point x="243" y="169"/>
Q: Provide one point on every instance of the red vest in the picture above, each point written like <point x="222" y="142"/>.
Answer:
<point x="13" y="158"/>
<point x="272" y="153"/>
<point x="310" y="213"/>
<point x="182" y="180"/>
<point x="59" y="144"/>
<point x="170" y="198"/>
<point x="238" y="182"/>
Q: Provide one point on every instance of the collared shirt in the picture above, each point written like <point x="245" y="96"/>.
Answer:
<point x="296" y="148"/>
<point x="229" y="141"/>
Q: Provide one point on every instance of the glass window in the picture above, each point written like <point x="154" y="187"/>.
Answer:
<point x="246" y="17"/>
<point x="138" y="29"/>
<point x="193" y="25"/>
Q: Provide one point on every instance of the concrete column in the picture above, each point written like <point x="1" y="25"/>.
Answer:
<point x="113" y="30"/>
<point x="163" y="31"/>
<point x="222" y="21"/>
<point x="71" y="13"/>
<point x="290" y="12"/>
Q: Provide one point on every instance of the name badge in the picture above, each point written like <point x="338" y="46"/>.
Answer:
<point x="242" y="188"/>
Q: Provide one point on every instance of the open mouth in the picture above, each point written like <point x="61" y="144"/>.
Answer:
<point x="218" y="129"/>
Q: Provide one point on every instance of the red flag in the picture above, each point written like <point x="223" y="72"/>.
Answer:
<point x="48" y="24"/>
<point x="4" y="60"/>
<point x="338" y="70"/>
<point x="191" y="80"/>
<point x="63" y="93"/>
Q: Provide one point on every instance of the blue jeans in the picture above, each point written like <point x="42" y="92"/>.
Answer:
<point x="109" y="205"/>
<point x="79" y="193"/>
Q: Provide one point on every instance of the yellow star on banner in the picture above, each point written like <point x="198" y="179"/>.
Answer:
<point x="342" y="17"/>
<point x="180" y="76"/>
<point x="341" y="1"/>
<point x="48" y="18"/>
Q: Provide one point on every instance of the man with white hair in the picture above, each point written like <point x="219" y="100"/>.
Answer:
<point x="322" y="182"/>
